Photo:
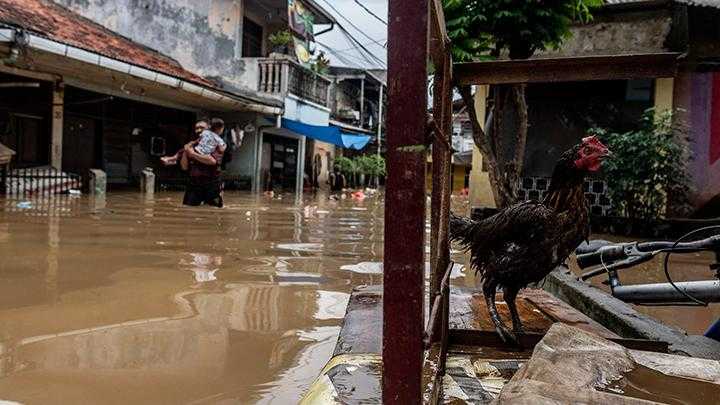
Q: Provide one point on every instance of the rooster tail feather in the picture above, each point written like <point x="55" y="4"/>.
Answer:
<point x="462" y="230"/>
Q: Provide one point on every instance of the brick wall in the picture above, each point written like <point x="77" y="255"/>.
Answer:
<point x="535" y="188"/>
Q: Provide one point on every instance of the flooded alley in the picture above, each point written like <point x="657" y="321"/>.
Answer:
<point x="146" y="301"/>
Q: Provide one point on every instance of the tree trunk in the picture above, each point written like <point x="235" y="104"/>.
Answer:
<point x="503" y="140"/>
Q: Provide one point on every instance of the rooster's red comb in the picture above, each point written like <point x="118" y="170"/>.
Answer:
<point x="594" y="141"/>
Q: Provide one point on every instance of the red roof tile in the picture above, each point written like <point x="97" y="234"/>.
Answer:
<point x="55" y="22"/>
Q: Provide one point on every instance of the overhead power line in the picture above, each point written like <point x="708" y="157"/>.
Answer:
<point x="371" y="12"/>
<point x="367" y="52"/>
<point x="343" y="57"/>
<point x="373" y="40"/>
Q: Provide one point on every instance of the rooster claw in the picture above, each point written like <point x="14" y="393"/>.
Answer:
<point x="509" y="338"/>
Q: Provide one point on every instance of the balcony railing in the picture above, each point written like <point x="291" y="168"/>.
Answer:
<point x="281" y="76"/>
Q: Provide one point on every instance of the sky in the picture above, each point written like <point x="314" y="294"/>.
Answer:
<point x="376" y="32"/>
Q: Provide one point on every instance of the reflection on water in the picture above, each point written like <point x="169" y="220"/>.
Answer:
<point x="133" y="300"/>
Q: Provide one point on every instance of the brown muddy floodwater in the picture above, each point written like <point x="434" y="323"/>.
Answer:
<point x="146" y="301"/>
<point x="136" y="300"/>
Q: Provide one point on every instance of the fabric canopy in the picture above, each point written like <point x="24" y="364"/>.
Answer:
<point x="329" y="134"/>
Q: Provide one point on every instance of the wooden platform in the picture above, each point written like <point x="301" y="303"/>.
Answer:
<point x="478" y="364"/>
<point x="538" y="311"/>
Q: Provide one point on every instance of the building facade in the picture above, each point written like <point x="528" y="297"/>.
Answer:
<point x="560" y="113"/>
<point x="125" y="80"/>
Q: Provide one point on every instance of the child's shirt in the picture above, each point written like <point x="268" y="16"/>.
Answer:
<point x="208" y="142"/>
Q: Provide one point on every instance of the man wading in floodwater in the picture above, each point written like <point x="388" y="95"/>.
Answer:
<point x="205" y="185"/>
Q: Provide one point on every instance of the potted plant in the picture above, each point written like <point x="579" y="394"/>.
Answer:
<point x="321" y="63"/>
<point x="280" y="41"/>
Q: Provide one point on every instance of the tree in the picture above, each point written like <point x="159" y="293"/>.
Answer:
<point x="489" y="29"/>
<point x="647" y="171"/>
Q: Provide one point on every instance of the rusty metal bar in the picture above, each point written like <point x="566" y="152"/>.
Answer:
<point x="432" y="379"/>
<point x="441" y="156"/>
<point x="403" y="276"/>
<point x="438" y="316"/>
<point x="435" y="316"/>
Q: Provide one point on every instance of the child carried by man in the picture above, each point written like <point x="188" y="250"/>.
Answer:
<point x="206" y="143"/>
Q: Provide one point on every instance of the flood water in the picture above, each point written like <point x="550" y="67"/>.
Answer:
<point x="146" y="301"/>
<point x="135" y="300"/>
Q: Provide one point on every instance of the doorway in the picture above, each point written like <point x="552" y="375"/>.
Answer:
<point x="79" y="146"/>
<point x="279" y="163"/>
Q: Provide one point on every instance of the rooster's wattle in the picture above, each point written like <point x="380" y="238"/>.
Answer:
<point x="523" y="243"/>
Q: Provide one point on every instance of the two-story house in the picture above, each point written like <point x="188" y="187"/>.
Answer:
<point x="122" y="83"/>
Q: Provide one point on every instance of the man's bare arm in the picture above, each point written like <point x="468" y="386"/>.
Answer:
<point x="204" y="159"/>
<point x="184" y="163"/>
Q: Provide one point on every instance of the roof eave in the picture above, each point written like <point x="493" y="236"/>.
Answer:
<point x="44" y="44"/>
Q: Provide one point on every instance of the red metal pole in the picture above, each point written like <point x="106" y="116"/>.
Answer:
<point x="404" y="259"/>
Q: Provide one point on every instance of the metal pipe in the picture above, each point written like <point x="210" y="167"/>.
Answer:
<point x="404" y="246"/>
<point x="362" y="103"/>
<point x="659" y="293"/>
<point x="379" y="123"/>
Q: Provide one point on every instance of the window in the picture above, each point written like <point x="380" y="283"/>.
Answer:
<point x="639" y="90"/>
<point x="252" y="39"/>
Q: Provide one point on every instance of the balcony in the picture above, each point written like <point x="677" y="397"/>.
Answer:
<point x="281" y="76"/>
<point x="357" y="99"/>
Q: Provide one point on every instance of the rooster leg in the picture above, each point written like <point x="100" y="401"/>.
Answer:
<point x="489" y="288"/>
<point x="510" y="294"/>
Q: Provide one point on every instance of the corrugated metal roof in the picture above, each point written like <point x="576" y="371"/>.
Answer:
<point x="702" y="3"/>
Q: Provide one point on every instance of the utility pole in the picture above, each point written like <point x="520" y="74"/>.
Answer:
<point x="380" y="117"/>
<point x="404" y="261"/>
<point x="362" y="103"/>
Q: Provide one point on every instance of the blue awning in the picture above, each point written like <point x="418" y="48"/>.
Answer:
<point x="329" y="134"/>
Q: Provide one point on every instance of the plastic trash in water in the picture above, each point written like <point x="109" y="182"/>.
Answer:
<point x="24" y="205"/>
<point x="74" y="192"/>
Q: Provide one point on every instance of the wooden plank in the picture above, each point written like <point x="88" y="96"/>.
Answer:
<point x="360" y="332"/>
<point x="559" y="311"/>
<point x="432" y="375"/>
<point x="568" y="69"/>
<point x="488" y="339"/>
<point x="439" y="40"/>
<point x="538" y="310"/>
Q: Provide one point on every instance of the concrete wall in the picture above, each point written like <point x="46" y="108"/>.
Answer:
<point x="244" y="158"/>
<point x="305" y="112"/>
<point x="617" y="33"/>
<point x="697" y="95"/>
<point x="481" y="194"/>
<point x="203" y="35"/>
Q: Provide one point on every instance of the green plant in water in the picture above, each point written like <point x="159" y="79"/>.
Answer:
<point x="648" y="167"/>
<point x="370" y="165"/>
<point x="347" y="166"/>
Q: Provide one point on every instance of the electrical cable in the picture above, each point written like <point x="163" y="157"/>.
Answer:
<point x="365" y="55"/>
<point x="667" y="261"/>
<point x="341" y="57"/>
<point x="341" y="15"/>
<point x="370" y="12"/>
<point x="342" y="54"/>
<point x="352" y="39"/>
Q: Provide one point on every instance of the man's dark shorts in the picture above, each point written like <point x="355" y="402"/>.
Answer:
<point x="209" y="193"/>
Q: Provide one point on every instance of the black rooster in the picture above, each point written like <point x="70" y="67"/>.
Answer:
<point x="521" y="244"/>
